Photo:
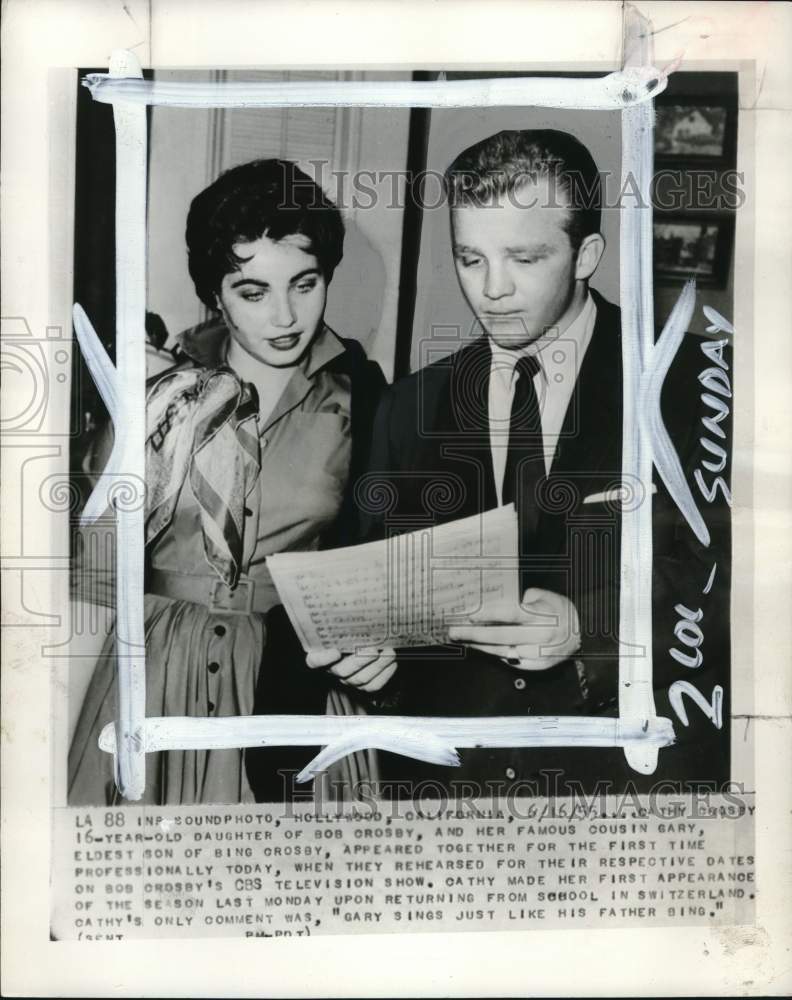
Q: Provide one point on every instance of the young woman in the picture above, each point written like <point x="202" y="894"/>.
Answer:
<point x="250" y="446"/>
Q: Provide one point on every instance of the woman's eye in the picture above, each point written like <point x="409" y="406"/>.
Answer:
<point x="469" y="261"/>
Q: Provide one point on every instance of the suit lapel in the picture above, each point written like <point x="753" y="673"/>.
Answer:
<point x="591" y="433"/>
<point x="457" y="443"/>
<point x="588" y="456"/>
<point x="467" y="413"/>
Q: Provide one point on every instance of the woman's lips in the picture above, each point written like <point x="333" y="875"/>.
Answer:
<point x="286" y="343"/>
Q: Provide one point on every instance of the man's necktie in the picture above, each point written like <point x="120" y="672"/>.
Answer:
<point x="525" y="466"/>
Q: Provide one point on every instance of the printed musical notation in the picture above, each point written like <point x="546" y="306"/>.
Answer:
<point x="403" y="591"/>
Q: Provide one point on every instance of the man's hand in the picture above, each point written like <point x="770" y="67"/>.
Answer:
<point x="543" y="631"/>
<point x="368" y="670"/>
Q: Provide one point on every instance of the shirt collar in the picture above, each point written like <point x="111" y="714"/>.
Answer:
<point x="327" y="345"/>
<point x="576" y="337"/>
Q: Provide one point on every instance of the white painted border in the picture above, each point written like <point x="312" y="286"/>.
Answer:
<point x="613" y="92"/>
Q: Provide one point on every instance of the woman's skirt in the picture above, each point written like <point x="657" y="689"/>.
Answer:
<point x="198" y="663"/>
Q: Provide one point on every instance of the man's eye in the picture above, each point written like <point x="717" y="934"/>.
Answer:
<point x="526" y="260"/>
<point x="306" y="286"/>
<point x="469" y="261"/>
<point x="253" y="296"/>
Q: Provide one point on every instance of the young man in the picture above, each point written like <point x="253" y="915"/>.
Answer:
<point x="530" y="413"/>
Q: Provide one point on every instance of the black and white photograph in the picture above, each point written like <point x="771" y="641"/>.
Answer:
<point x="690" y="247"/>
<point x="341" y="306"/>
<point x="685" y="247"/>
<point x="691" y="131"/>
<point x="394" y="498"/>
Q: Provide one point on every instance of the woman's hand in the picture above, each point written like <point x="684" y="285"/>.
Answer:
<point x="368" y="670"/>
<point x="543" y="631"/>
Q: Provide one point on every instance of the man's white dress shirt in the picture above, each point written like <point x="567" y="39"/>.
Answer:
<point x="560" y="358"/>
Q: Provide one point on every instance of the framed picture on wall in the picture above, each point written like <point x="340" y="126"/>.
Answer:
<point x="690" y="130"/>
<point x="693" y="246"/>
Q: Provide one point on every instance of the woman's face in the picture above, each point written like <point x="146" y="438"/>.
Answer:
<point x="274" y="304"/>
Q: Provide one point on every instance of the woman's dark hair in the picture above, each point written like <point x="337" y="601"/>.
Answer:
<point x="272" y="198"/>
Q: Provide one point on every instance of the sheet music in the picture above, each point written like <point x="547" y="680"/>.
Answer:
<point x="402" y="591"/>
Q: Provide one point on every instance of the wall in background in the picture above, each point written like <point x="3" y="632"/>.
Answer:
<point x="190" y="147"/>
<point x="440" y="307"/>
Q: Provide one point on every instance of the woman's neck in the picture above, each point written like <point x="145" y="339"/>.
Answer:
<point x="268" y="380"/>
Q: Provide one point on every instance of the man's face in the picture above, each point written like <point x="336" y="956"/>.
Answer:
<point x="274" y="304"/>
<point x="515" y="264"/>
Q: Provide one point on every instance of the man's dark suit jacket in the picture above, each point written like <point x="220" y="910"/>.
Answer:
<point x="431" y="441"/>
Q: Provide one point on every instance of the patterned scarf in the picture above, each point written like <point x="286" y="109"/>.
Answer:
<point x="202" y="424"/>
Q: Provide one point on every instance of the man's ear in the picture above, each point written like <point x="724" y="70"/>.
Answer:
<point x="588" y="256"/>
